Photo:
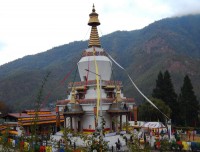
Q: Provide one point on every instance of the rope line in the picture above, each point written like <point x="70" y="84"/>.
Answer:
<point x="60" y="84"/>
<point x="74" y="77"/>
<point x="87" y="75"/>
<point x="86" y="33"/>
<point x="136" y="86"/>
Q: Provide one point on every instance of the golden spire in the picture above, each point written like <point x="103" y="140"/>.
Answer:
<point x="94" y="22"/>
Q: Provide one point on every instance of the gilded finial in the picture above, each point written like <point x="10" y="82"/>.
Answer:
<point x="93" y="10"/>
<point x="94" y="22"/>
<point x="118" y="96"/>
<point x="73" y="96"/>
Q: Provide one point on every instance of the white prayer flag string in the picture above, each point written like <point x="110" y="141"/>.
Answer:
<point x="136" y="86"/>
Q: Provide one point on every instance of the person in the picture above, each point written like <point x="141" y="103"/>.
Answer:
<point x="189" y="134"/>
<point x="125" y="106"/>
<point x="112" y="149"/>
<point x="66" y="109"/>
<point x="118" y="146"/>
<point x="151" y="134"/>
<point x="118" y="141"/>
<point x="145" y="138"/>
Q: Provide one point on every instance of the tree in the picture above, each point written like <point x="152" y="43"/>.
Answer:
<point x="170" y="97"/>
<point x="148" y="113"/>
<point x="189" y="105"/>
<point x="165" y="91"/>
<point x="158" y="91"/>
<point x="4" y="109"/>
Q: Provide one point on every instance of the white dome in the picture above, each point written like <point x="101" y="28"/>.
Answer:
<point x="88" y="62"/>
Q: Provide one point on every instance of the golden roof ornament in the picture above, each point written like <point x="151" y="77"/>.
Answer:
<point x="73" y="96"/>
<point x="94" y="22"/>
<point x="118" y="94"/>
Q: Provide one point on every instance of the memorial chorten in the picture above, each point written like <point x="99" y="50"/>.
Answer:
<point x="96" y="95"/>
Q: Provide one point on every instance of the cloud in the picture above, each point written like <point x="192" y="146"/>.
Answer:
<point x="183" y="7"/>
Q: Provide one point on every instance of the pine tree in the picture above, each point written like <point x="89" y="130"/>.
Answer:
<point x="165" y="91"/>
<point x="170" y="97"/>
<point x="158" y="91"/>
<point x="188" y="103"/>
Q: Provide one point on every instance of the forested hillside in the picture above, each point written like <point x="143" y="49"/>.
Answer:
<point x="171" y="44"/>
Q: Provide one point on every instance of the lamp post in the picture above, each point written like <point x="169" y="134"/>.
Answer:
<point x="101" y="114"/>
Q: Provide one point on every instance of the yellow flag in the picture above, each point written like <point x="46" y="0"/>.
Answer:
<point x="98" y="86"/>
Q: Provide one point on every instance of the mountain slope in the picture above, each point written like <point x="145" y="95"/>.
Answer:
<point x="170" y="44"/>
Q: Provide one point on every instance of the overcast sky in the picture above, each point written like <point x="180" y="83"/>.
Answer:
<point x="32" y="26"/>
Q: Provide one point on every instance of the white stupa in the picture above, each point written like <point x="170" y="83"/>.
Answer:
<point x="96" y="93"/>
